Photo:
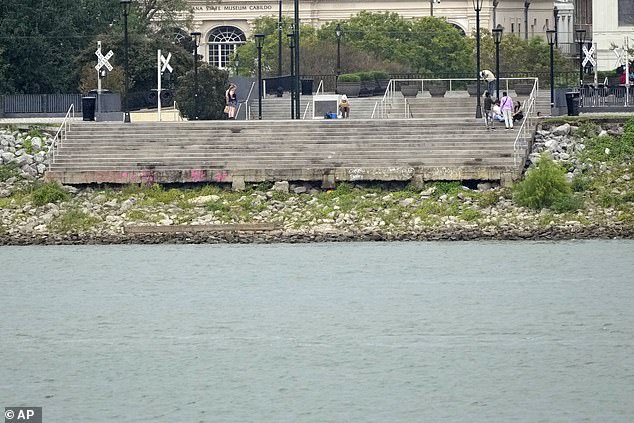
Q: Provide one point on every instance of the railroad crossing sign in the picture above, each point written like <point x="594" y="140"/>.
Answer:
<point x="103" y="60"/>
<point x="589" y="55"/>
<point x="619" y="52"/>
<point x="165" y="63"/>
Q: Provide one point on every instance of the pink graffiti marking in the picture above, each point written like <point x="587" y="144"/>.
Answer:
<point x="198" y="175"/>
<point x="221" y="176"/>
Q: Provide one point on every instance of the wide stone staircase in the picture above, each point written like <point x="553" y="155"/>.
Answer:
<point x="326" y="151"/>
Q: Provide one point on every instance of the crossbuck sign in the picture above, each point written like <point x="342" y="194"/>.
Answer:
<point x="165" y="63"/>
<point x="103" y="60"/>
<point x="589" y="55"/>
<point x="620" y="57"/>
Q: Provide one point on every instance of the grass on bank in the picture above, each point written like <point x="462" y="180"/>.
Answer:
<point x="73" y="220"/>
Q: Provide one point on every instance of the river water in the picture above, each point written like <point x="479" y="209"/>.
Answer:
<point x="358" y="332"/>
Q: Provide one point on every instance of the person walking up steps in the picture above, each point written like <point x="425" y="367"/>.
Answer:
<point x="506" y="104"/>
<point x="489" y="77"/>
<point x="488" y="115"/>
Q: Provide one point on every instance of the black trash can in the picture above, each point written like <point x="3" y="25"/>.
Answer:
<point x="307" y="87"/>
<point x="88" y="108"/>
<point x="573" y="101"/>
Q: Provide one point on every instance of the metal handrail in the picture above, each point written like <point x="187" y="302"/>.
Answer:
<point x="319" y="87"/>
<point x="525" y="131"/>
<point x="380" y="109"/>
<point x="246" y="104"/>
<point x="61" y="134"/>
<point x="306" y="109"/>
<point x="374" y="110"/>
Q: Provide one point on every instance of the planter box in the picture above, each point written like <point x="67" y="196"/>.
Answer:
<point x="472" y="89"/>
<point x="367" y="88"/>
<point x="523" y="90"/>
<point x="409" y="90"/>
<point x="351" y="89"/>
<point x="381" y="86"/>
<point x="437" y="90"/>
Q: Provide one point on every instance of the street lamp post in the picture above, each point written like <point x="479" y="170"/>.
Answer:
<point x="497" y="35"/>
<point x="259" y="39"/>
<point x="291" y="46"/>
<point x="279" y="42"/>
<point x="527" y="3"/>
<point x="581" y="39"/>
<point x="338" y="34"/>
<point x="126" y="10"/>
<point x="556" y="19"/>
<point x="196" y="38"/>
<point x="477" y="6"/>
<point x="550" y="34"/>
<point x="297" y="54"/>
<point x="237" y="63"/>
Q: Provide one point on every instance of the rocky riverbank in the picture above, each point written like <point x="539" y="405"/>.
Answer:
<point x="598" y="170"/>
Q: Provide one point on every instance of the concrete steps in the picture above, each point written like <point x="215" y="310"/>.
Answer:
<point x="448" y="143"/>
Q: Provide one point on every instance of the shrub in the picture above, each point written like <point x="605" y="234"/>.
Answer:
<point x="349" y="77"/>
<point x="378" y="75"/>
<point x="49" y="192"/>
<point x="581" y="183"/>
<point x="447" y="188"/>
<point x="366" y="76"/>
<point x="567" y="203"/>
<point x="74" y="221"/>
<point x="489" y="198"/>
<point x="212" y="83"/>
<point x="543" y="186"/>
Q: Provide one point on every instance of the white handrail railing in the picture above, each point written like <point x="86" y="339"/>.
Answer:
<point x="60" y="136"/>
<point x="247" y="110"/>
<point x="319" y="87"/>
<point x="526" y="129"/>
<point x="381" y="108"/>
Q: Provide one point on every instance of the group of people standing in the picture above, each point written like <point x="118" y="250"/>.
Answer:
<point x="500" y="109"/>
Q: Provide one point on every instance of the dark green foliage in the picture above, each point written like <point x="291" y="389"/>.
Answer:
<point x="379" y="75"/>
<point x="447" y="188"/>
<point x="7" y="171"/>
<point x="42" y="41"/>
<point x="567" y="203"/>
<point x="366" y="76"/>
<point x="544" y="186"/>
<point x="349" y="77"/>
<point x="212" y="84"/>
<point x="581" y="183"/>
<point x="49" y="192"/>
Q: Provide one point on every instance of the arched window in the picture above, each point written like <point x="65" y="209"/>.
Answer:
<point x="223" y="41"/>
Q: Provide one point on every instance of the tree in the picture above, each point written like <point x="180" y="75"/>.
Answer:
<point x="267" y="25"/>
<point x="212" y="84"/>
<point x="427" y="45"/>
<point x="518" y="55"/>
<point x="42" y="39"/>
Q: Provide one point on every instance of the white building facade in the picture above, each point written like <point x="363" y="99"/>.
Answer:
<point x="612" y="23"/>
<point x="226" y="24"/>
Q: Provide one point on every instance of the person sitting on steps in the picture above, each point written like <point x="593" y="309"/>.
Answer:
<point x="344" y="107"/>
